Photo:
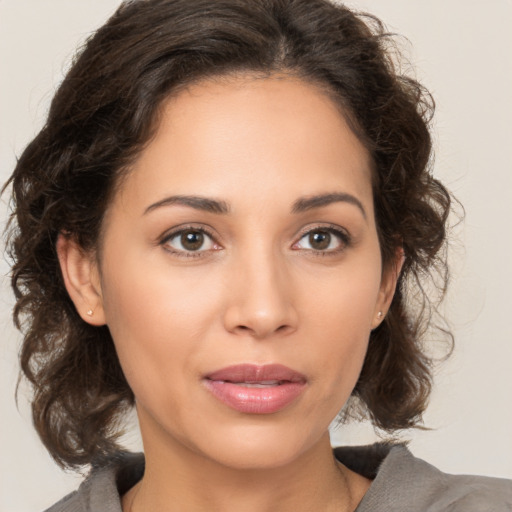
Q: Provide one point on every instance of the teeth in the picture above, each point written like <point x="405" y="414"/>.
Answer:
<point x="262" y="384"/>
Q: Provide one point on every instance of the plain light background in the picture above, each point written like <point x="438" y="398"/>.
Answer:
<point x="461" y="51"/>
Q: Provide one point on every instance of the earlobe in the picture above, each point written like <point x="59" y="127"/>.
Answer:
<point x="387" y="288"/>
<point x="81" y="278"/>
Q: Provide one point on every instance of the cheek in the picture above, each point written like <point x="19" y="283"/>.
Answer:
<point x="339" y="318"/>
<point x="344" y="300"/>
<point x="157" y="320"/>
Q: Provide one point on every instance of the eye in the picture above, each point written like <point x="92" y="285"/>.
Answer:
<point x="191" y="240"/>
<point x="323" y="240"/>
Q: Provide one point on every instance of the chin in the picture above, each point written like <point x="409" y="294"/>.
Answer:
<point x="257" y="447"/>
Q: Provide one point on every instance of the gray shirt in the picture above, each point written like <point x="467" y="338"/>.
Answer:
<point x="401" y="483"/>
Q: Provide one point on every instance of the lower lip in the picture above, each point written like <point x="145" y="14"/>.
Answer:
<point x="251" y="400"/>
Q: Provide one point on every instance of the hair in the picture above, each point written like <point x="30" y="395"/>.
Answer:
<point x="104" y="113"/>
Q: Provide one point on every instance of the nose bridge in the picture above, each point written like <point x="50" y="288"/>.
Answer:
<point x="261" y="301"/>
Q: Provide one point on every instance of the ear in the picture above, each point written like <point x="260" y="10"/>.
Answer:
<point x="390" y="276"/>
<point x="82" y="280"/>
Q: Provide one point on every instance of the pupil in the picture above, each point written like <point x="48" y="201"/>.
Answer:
<point x="192" y="240"/>
<point x="320" y="240"/>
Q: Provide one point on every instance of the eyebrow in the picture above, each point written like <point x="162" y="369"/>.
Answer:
<point x="222" y="207"/>
<point x="317" y="201"/>
<point x="196" y="202"/>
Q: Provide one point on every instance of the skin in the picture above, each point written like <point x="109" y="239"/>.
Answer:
<point x="257" y="291"/>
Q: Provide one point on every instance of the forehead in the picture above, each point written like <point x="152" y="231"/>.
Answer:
<point x="231" y="136"/>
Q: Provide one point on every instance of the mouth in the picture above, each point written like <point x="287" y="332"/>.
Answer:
<point x="254" y="389"/>
<point x="260" y="385"/>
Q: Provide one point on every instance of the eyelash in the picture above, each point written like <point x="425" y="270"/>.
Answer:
<point x="343" y="237"/>
<point x="178" y="232"/>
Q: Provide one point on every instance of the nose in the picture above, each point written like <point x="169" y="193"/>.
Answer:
<point x="260" y="298"/>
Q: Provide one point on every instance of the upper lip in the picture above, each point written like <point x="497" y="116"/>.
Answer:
<point x="253" y="373"/>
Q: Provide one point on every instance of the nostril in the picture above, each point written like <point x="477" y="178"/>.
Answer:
<point x="248" y="319"/>
<point x="255" y="332"/>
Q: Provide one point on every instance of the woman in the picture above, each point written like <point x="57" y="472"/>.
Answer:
<point x="223" y="222"/>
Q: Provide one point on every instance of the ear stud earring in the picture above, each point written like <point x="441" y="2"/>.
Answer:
<point x="90" y="312"/>
<point x="379" y="315"/>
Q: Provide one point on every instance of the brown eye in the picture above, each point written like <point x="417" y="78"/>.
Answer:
<point x="323" y="240"/>
<point x="190" y="240"/>
<point x="319" y="240"/>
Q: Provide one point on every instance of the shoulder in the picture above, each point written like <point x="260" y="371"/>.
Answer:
<point x="404" y="483"/>
<point x="467" y="493"/>
<point x="101" y="490"/>
<point x="70" y="503"/>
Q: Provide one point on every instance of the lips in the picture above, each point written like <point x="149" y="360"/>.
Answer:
<point x="254" y="389"/>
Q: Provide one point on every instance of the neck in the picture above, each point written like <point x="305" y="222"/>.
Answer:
<point x="178" y="479"/>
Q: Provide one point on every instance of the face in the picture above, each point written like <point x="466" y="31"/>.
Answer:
<point x="240" y="273"/>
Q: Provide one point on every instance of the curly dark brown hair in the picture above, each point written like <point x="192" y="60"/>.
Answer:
<point x="103" y="114"/>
